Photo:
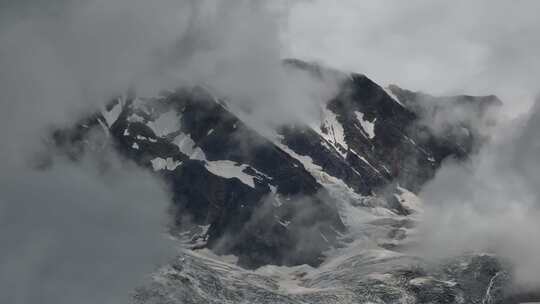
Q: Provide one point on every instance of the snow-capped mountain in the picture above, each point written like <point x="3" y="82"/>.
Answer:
<point x="312" y="213"/>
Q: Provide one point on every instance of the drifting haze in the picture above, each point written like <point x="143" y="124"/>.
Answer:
<point x="74" y="232"/>
<point x="88" y="231"/>
<point x="492" y="203"/>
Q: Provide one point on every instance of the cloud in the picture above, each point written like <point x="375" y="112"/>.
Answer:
<point x="76" y="233"/>
<point x="490" y="204"/>
<point x="88" y="231"/>
<point x="84" y="232"/>
<point x="475" y="47"/>
<point x="235" y="49"/>
<point x="69" y="56"/>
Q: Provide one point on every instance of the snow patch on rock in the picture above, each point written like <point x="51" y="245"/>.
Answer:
<point x="367" y="126"/>
<point x="331" y="130"/>
<point x="166" y="123"/>
<point x="188" y="147"/>
<point x="159" y="163"/>
<point x="230" y="169"/>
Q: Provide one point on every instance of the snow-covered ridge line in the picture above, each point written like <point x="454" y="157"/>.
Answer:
<point x="388" y="91"/>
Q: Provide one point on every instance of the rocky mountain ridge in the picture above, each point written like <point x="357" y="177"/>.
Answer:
<point x="305" y="195"/>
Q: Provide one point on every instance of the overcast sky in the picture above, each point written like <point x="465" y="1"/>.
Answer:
<point x="60" y="56"/>
<point x="442" y="47"/>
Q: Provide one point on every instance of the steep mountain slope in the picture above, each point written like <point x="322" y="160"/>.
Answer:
<point x="261" y="204"/>
<point x="337" y="194"/>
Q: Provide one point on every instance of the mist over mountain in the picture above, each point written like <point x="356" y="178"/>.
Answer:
<point x="175" y="152"/>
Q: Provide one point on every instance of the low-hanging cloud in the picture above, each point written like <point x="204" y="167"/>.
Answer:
<point x="72" y="232"/>
<point x="75" y="233"/>
<point x="490" y="204"/>
<point x="88" y="231"/>
<point x="235" y="49"/>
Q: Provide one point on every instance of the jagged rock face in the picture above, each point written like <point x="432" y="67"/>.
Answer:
<point x="267" y="200"/>
<point x="379" y="136"/>
<point x="259" y="202"/>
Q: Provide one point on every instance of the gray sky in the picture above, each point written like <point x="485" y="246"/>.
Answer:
<point x="442" y="47"/>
